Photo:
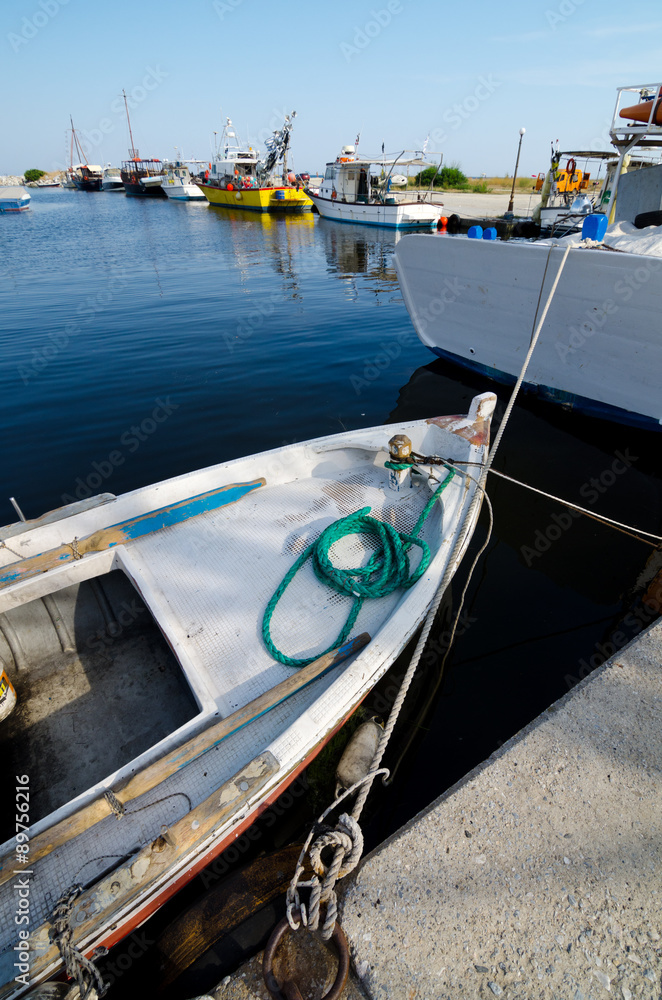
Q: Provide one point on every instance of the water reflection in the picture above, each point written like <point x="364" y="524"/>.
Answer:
<point x="553" y="596"/>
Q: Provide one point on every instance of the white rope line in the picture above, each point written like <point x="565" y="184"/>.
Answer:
<point x="574" y="506"/>
<point x="461" y="539"/>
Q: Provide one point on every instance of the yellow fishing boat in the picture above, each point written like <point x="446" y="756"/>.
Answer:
<point x="260" y="199"/>
<point x="239" y="178"/>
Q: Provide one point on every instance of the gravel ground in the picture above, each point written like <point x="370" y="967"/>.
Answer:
<point x="479" y="206"/>
<point x="537" y="877"/>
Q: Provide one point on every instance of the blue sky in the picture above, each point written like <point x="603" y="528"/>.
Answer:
<point x="470" y="74"/>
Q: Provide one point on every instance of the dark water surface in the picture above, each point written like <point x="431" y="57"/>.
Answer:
<point x="141" y="340"/>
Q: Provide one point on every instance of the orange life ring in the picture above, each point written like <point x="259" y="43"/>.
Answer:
<point x="571" y="166"/>
<point x="333" y="196"/>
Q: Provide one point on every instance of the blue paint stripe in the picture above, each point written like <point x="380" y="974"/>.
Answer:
<point x="165" y="517"/>
<point x="133" y="528"/>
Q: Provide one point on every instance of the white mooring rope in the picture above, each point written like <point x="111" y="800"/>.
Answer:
<point x="332" y="871"/>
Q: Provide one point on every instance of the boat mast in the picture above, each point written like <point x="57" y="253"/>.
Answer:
<point x="133" y="152"/>
<point x="79" y="148"/>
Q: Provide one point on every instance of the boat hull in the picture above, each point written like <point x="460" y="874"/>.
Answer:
<point x="182" y="192"/>
<point x="600" y="349"/>
<point x="88" y="184"/>
<point x="283" y="199"/>
<point x="14" y="199"/>
<point x="137" y="190"/>
<point x="402" y="215"/>
<point x="14" y="206"/>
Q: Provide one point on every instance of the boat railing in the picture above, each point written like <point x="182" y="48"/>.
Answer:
<point x="631" y="132"/>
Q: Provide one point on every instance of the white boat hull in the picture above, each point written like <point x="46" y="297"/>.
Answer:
<point x="402" y="215"/>
<point x="600" y="349"/>
<point x="183" y="192"/>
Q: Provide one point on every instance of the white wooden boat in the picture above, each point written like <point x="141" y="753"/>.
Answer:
<point x="14" y="199"/>
<point x="178" y="184"/>
<point x="110" y="721"/>
<point x="350" y="192"/>
<point x="600" y="349"/>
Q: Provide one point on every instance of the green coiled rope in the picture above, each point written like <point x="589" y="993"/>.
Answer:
<point x="386" y="570"/>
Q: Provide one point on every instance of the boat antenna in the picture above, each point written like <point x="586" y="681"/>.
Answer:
<point x="133" y="152"/>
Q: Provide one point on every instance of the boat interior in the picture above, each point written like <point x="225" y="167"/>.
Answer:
<point x="96" y="684"/>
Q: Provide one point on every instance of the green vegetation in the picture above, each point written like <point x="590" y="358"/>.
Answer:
<point x="33" y="175"/>
<point x="481" y="188"/>
<point x="447" y="177"/>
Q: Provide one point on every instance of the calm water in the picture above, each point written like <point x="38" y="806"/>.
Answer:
<point x="144" y="339"/>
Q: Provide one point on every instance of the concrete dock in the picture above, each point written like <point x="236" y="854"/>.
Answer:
<point x="536" y="876"/>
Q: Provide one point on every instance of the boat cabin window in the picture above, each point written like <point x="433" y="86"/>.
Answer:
<point x="330" y="173"/>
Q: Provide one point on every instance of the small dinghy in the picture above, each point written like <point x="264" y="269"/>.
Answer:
<point x="176" y="658"/>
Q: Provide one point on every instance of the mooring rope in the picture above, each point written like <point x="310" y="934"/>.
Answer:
<point x="78" y="967"/>
<point x="460" y="541"/>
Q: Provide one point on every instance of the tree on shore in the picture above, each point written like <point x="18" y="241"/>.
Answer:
<point x="447" y="177"/>
<point x="33" y="175"/>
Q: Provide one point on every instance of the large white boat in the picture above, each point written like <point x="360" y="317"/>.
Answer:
<point x="178" y="183"/>
<point x="362" y="189"/>
<point x="475" y="302"/>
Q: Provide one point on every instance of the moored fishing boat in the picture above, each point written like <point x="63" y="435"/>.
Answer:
<point x="351" y="192"/>
<point x="88" y="177"/>
<point x="130" y="789"/>
<point x="178" y="184"/>
<point x="475" y="303"/>
<point x="85" y="176"/>
<point x="141" y="178"/>
<point x="112" y="179"/>
<point x="239" y="178"/>
<point x="14" y="199"/>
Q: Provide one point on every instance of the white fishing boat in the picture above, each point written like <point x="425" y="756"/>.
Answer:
<point x="475" y="302"/>
<point x="112" y="179"/>
<point x="362" y="189"/>
<point x="178" y="183"/>
<point x="139" y="759"/>
<point x="14" y="199"/>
